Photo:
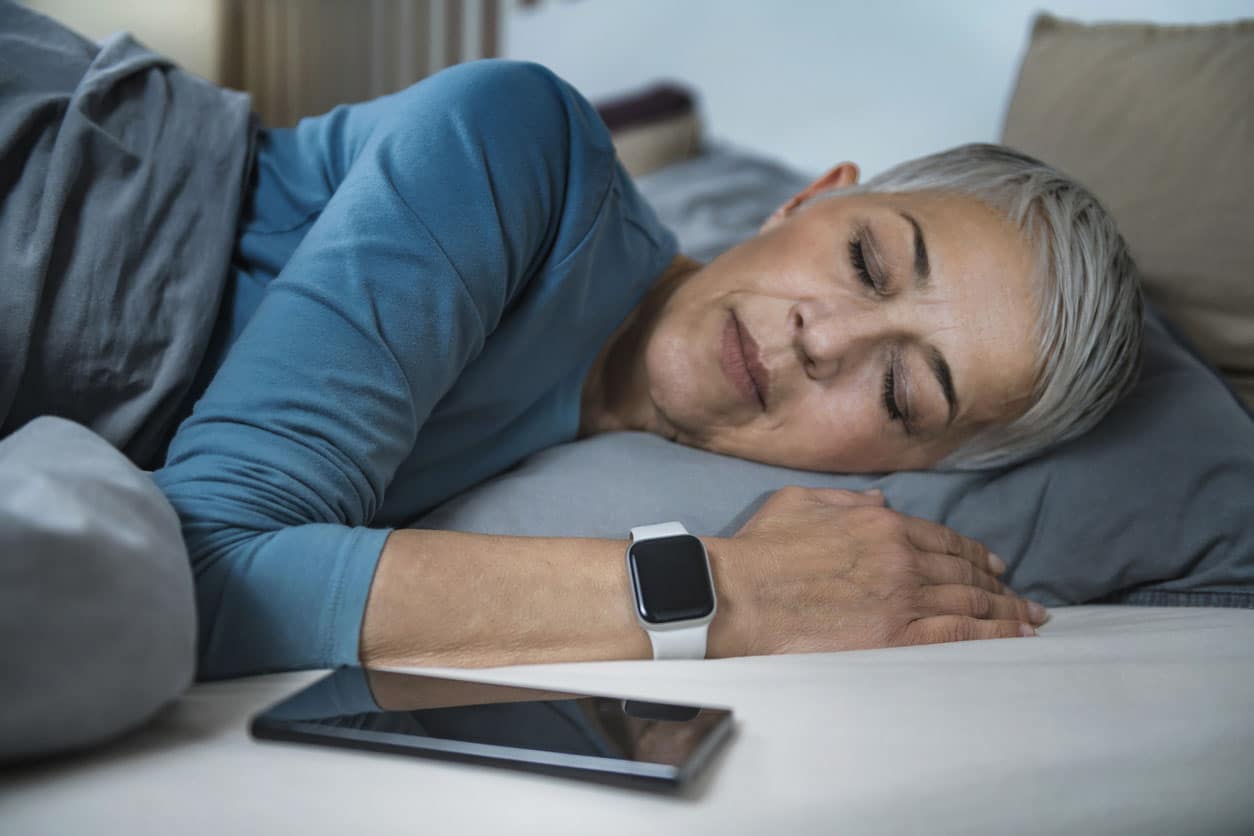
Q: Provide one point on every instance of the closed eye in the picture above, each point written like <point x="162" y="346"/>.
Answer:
<point x="891" y="405"/>
<point x="857" y="257"/>
<point x="890" y="397"/>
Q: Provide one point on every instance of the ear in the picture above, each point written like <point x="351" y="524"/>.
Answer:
<point x="840" y="177"/>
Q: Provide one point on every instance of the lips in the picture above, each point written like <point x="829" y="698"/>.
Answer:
<point x="753" y="359"/>
<point x="740" y="361"/>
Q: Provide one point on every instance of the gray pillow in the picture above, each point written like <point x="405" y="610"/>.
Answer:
<point x="97" y="615"/>
<point x="1153" y="506"/>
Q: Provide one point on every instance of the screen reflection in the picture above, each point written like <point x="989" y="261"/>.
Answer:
<point x="502" y="715"/>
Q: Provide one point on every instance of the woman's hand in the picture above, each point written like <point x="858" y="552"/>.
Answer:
<point x="821" y="569"/>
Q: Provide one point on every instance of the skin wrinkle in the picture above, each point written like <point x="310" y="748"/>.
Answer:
<point x="795" y="292"/>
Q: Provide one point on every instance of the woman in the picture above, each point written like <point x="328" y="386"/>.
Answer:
<point x="428" y="287"/>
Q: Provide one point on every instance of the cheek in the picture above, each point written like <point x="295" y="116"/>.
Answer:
<point x="837" y="428"/>
<point x="675" y="372"/>
<point x="686" y="384"/>
<point x="796" y="264"/>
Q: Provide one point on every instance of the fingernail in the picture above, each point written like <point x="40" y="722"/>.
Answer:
<point x="997" y="563"/>
<point x="1038" y="613"/>
<point x="874" y="490"/>
<point x="1026" y="630"/>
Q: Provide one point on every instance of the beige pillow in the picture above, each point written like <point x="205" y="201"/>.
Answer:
<point x="648" y="147"/>
<point x="1159" y="122"/>
<point x="653" y="127"/>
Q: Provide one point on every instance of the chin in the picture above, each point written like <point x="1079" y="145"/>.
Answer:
<point x="679" y="385"/>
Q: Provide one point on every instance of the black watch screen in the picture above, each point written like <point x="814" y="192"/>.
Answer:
<point x="671" y="579"/>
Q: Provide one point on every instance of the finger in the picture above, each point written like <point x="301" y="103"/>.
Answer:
<point x="956" y="599"/>
<point x="943" y="569"/>
<point x="960" y="628"/>
<point x="839" y="496"/>
<point x="932" y="537"/>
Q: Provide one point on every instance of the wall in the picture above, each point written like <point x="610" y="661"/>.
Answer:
<point x="818" y="82"/>
<point x="185" y="30"/>
<point x="811" y="81"/>
<point x="297" y="57"/>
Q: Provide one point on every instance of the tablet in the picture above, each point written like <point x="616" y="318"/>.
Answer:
<point x="605" y="738"/>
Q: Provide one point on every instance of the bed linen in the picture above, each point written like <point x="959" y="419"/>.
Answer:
<point x="1126" y="107"/>
<point x="121" y="177"/>
<point x="1114" y="720"/>
<point x="97" y="611"/>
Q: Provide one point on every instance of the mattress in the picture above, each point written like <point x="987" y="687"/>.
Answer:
<point x="1114" y="720"/>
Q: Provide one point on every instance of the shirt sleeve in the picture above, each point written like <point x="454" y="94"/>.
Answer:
<point x="453" y="193"/>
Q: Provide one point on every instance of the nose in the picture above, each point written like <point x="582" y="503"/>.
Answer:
<point x="826" y="343"/>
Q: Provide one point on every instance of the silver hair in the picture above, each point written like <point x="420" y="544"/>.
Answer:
<point x="1088" y="292"/>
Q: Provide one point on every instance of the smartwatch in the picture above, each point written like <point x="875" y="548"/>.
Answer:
<point x="673" y="589"/>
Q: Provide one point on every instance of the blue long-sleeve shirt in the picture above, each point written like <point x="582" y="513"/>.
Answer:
<point x="421" y="285"/>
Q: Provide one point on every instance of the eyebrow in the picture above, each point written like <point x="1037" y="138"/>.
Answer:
<point x="923" y="281"/>
<point x="940" y="368"/>
<point x="922" y="269"/>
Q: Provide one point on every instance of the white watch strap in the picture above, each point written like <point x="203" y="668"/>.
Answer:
<point x="684" y="642"/>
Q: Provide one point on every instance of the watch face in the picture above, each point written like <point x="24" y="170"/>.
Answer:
<point x="671" y="578"/>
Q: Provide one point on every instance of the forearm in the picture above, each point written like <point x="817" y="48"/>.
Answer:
<point x="445" y="598"/>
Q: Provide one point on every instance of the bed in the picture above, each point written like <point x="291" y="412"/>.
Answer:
<point x="1116" y="719"/>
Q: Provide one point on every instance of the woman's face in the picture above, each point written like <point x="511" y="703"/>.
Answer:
<point x="856" y="333"/>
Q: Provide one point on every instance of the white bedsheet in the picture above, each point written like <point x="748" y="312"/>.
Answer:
<point x="1115" y="720"/>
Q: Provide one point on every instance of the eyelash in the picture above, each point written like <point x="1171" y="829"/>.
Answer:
<point x="857" y="256"/>
<point x="890" y="397"/>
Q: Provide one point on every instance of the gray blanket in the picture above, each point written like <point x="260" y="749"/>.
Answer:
<point x="121" y="178"/>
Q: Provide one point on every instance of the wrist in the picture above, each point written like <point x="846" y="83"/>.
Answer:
<point x="727" y="631"/>
<point x="533" y="600"/>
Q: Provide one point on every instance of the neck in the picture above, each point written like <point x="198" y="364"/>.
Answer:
<point x="616" y="390"/>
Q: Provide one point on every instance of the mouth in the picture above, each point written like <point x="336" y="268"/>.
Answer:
<point x="742" y="365"/>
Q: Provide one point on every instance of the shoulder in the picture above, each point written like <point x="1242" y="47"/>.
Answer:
<point x="505" y="165"/>
<point x="519" y="100"/>
<point x="532" y="146"/>
<point x="510" y="133"/>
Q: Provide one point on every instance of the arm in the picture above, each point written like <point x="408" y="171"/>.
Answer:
<point x="813" y="570"/>
<point x="446" y="598"/>
<point x="451" y="193"/>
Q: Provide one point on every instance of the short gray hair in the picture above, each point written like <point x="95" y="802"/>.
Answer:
<point x="1089" y="297"/>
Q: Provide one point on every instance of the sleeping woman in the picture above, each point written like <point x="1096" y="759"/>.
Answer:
<point x="427" y="288"/>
